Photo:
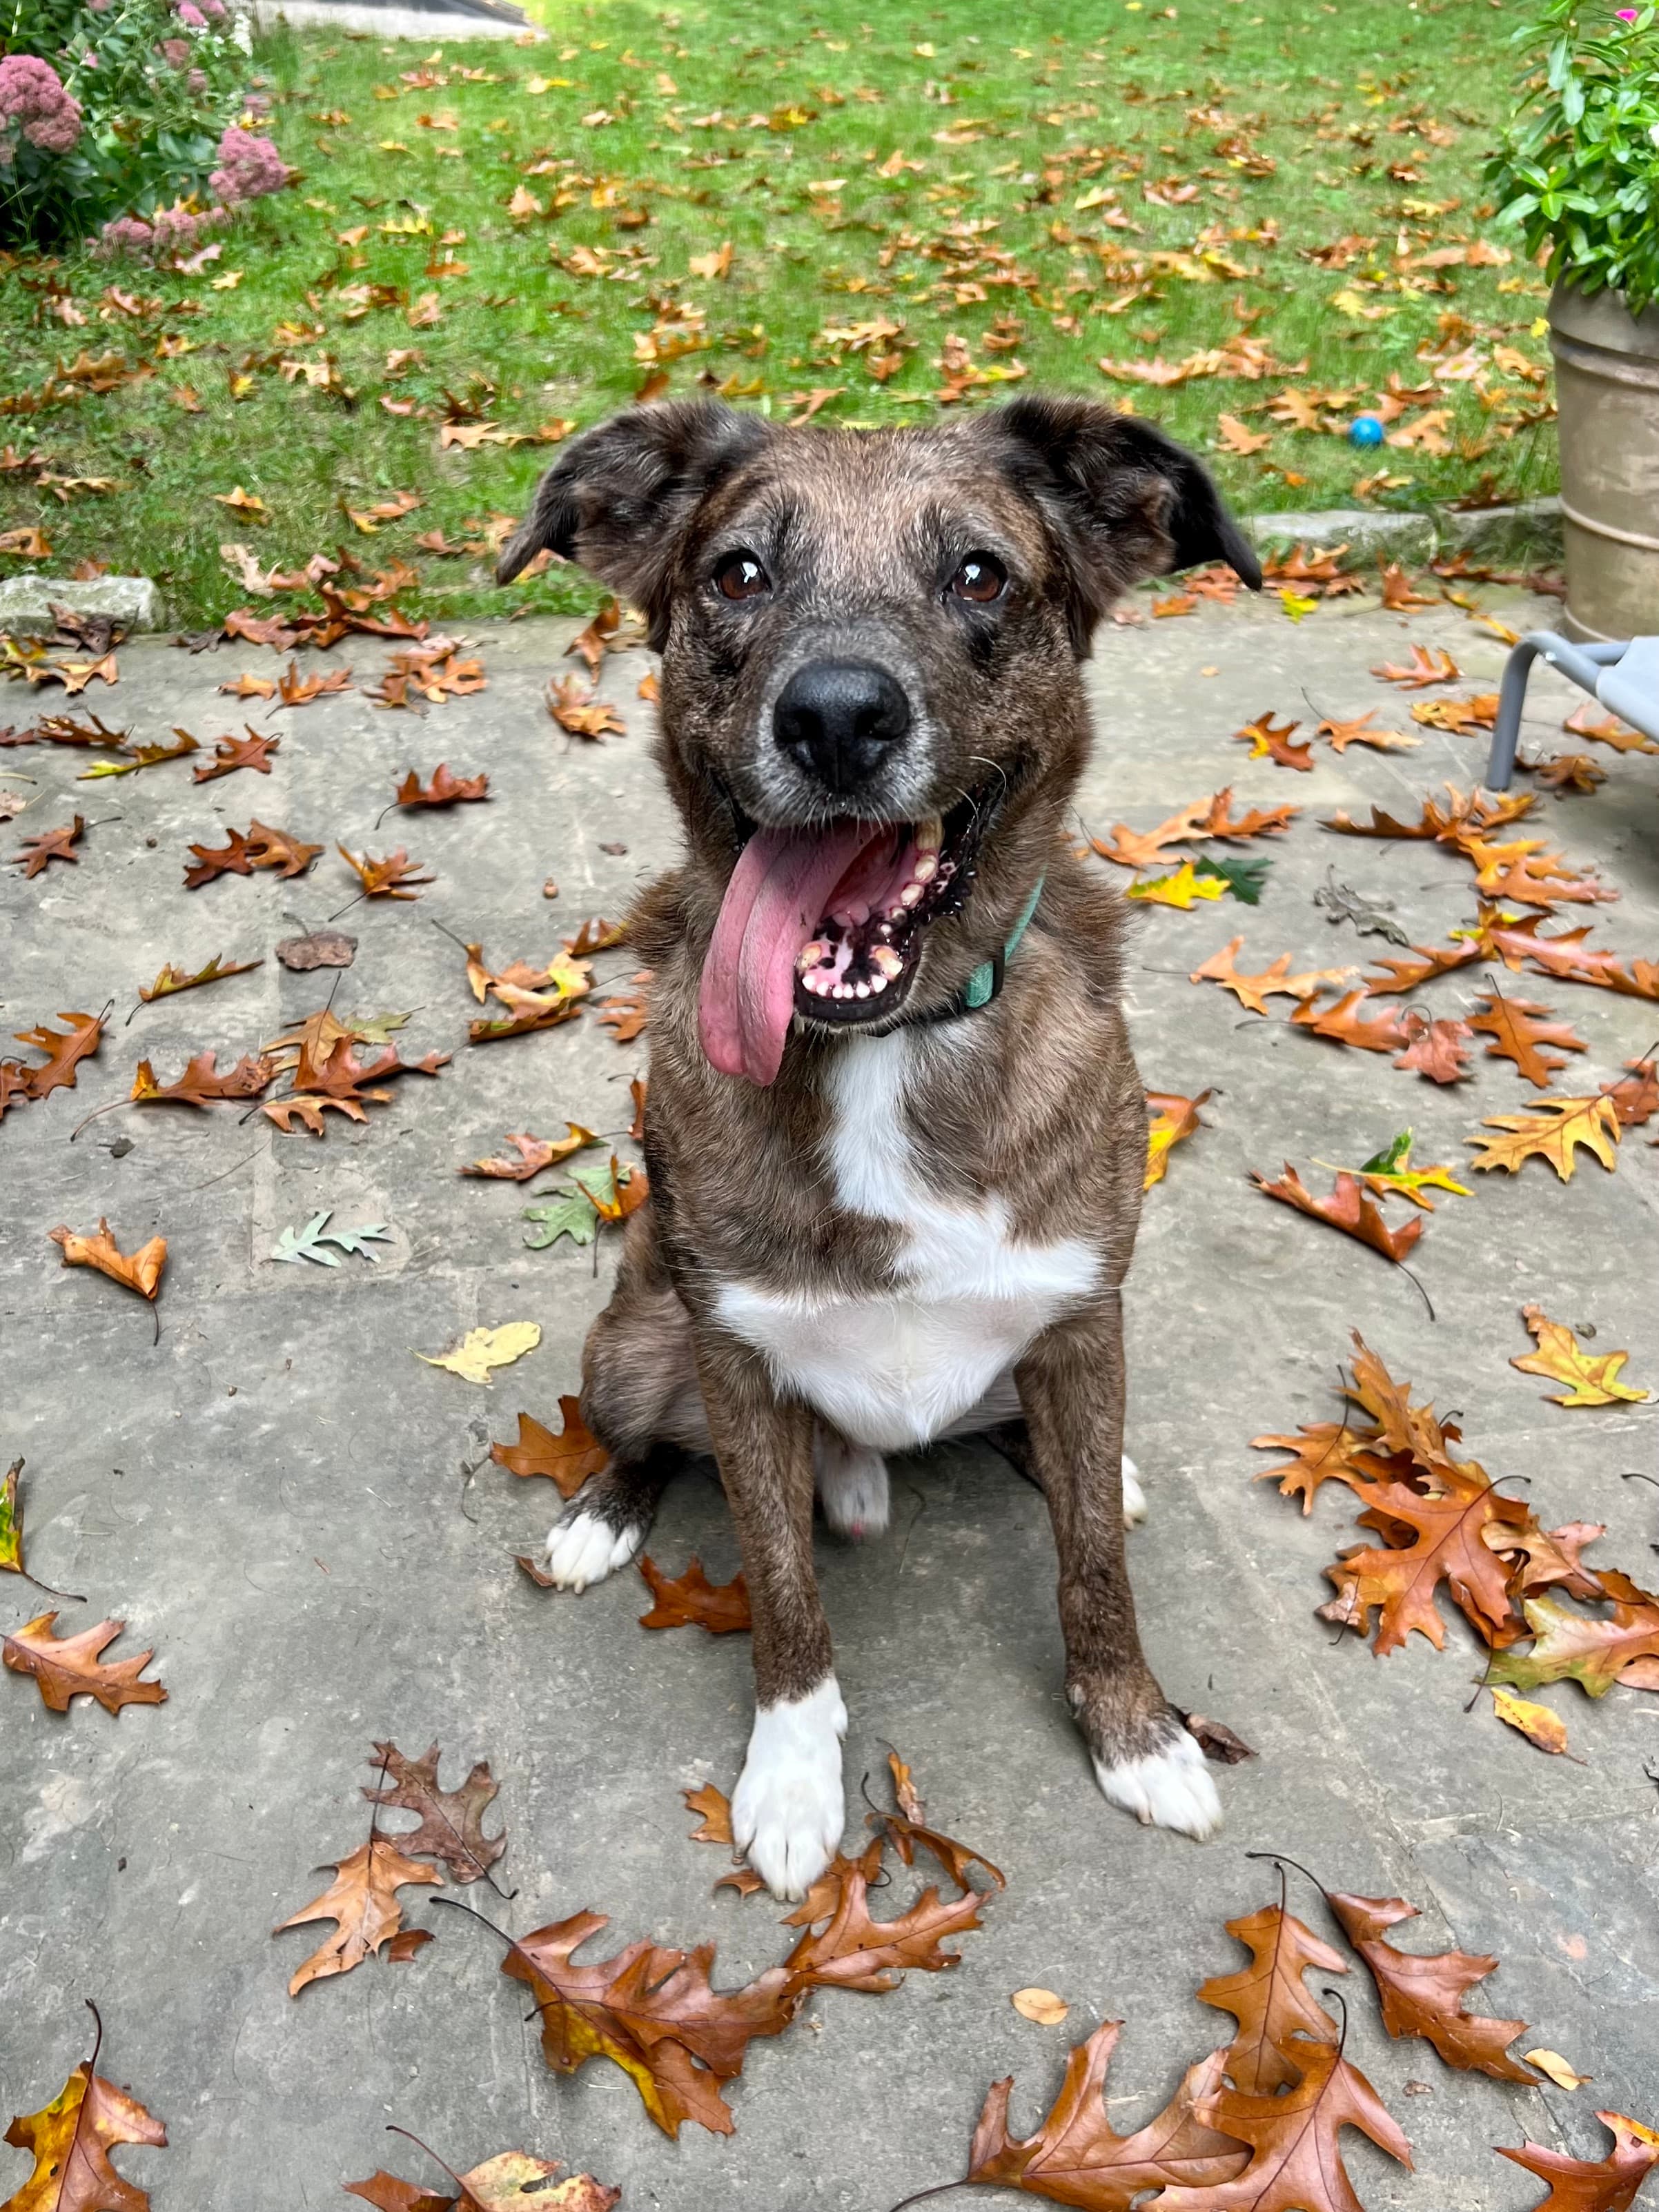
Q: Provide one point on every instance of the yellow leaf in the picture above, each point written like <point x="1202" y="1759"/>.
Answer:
<point x="1549" y="1732"/>
<point x="1180" y="889"/>
<point x="1592" y="1379"/>
<point x="482" y="1349"/>
<point x="1040" y="2005"/>
<point x="1551" y="2062"/>
<point x="1551" y="1130"/>
<point x="1296" y="606"/>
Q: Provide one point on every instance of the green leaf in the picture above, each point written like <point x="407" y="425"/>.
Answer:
<point x="570" y="1213"/>
<point x="11" y="1521"/>
<point x="599" y="1183"/>
<point x="1391" y="1157"/>
<point x="1245" y="880"/>
<point x="308" y="1244"/>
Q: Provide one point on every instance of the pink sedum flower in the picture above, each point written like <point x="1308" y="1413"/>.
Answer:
<point x="249" y="168"/>
<point x="192" y="16"/>
<point x="34" y="102"/>
<point x="175" y="53"/>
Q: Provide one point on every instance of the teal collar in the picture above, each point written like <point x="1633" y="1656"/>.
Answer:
<point x="986" y="980"/>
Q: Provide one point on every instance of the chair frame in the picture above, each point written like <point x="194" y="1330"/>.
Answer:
<point x="1581" y="664"/>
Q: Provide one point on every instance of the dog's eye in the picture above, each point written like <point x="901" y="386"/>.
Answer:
<point x="980" y="578"/>
<point x="740" y="576"/>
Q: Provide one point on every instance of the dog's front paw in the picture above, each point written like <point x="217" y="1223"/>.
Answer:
<point x="583" y="1546"/>
<point x="1135" y="1497"/>
<point x="788" y="1809"/>
<point x="1165" y="1786"/>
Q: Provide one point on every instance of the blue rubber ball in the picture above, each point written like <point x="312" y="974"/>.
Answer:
<point x="1365" y="430"/>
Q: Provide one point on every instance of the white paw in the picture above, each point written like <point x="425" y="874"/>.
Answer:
<point x="1135" y="1497"/>
<point x="788" y="1809"/>
<point x="1167" y="1789"/>
<point x="852" y="1488"/>
<point x="583" y="1548"/>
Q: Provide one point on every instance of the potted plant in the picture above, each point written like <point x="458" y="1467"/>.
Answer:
<point x="1579" y="172"/>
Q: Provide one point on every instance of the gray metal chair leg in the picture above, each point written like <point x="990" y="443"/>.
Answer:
<point x="1511" y="697"/>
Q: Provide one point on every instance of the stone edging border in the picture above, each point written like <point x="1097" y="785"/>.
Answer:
<point x="1530" y="531"/>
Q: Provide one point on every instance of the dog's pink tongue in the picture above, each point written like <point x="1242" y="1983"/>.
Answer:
<point x="778" y="895"/>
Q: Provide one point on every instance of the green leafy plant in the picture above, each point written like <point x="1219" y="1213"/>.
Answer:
<point x="1578" y="169"/>
<point x="115" y="109"/>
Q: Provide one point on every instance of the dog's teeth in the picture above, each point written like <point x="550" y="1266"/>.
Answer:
<point x="930" y="833"/>
<point x="812" y="956"/>
<point x="885" y="962"/>
<point x="926" y="869"/>
<point x="911" y="895"/>
<point x="878" y="985"/>
<point x="860" y="990"/>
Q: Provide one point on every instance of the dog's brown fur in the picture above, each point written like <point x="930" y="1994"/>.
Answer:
<point x="1036" y="1097"/>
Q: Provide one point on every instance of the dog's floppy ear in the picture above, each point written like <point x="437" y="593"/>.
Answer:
<point x="618" y="497"/>
<point x="1128" y="501"/>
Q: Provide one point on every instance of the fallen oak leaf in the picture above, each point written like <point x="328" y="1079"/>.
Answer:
<point x="1390" y="1172"/>
<point x="571" y="702"/>
<point x="141" y="756"/>
<point x="172" y="978"/>
<point x="1401" y="976"/>
<point x="1590" y="1649"/>
<point x="1276" y="980"/>
<point x="319" y="948"/>
<point x="1359" y="732"/>
<point x="1340" y="1023"/>
<point x="506" y="2183"/>
<point x="596" y="934"/>
<point x="1174" y="1119"/>
<point x="1180" y="890"/>
<point x="261" y="846"/>
<point x="1295" y="2139"/>
<point x="71" y="2139"/>
<point x="251" y="686"/>
<point x="1269" y="1999"/>
<point x="1591" y="1378"/>
<point x="230" y="754"/>
<point x="907" y="1830"/>
<point x="1551" y="1129"/>
<point x="1255" y="822"/>
<point x="691" y="1600"/>
<point x="294" y="690"/>
<point x="1424" y="1995"/>
<point x="1265" y="737"/>
<point x="451" y="1820"/>
<point x="1131" y="848"/>
<point x="567" y="1459"/>
<point x="69" y="1667"/>
<point x="535" y="1153"/>
<point x="1606" y="730"/>
<point x="1076" y="2156"/>
<point x="202" y="1083"/>
<point x="1460" y="716"/>
<point x="1544" y="1728"/>
<point x="1426" y="665"/>
<point x="1438" y="1049"/>
<point x="1347" y="1208"/>
<point x="443" y="789"/>
<point x="482" y="1350"/>
<point x="1609" y="2184"/>
<point x="139" y="1271"/>
<point x="1635" y="1096"/>
<point x="396" y="876"/>
<point x="363" y="1901"/>
<point x="50" y="845"/>
<point x="64" y="1052"/>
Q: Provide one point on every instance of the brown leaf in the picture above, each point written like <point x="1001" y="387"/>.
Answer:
<point x="1606" y="730"/>
<point x="596" y="935"/>
<point x="1609" y="2184"/>
<point x="509" y="2183"/>
<point x="139" y="1271"/>
<point x="535" y="1153"/>
<point x="395" y="877"/>
<point x="52" y="845"/>
<point x="1217" y="1741"/>
<point x="1296" y="2138"/>
<point x="1427" y="664"/>
<point x="1270" y="2001"/>
<point x="1400" y="976"/>
<point x="231" y="753"/>
<point x="1460" y="716"/>
<point x="1551" y="1129"/>
<point x="1424" y="1996"/>
<point x="64" y="1052"/>
<point x="1265" y="736"/>
<point x="442" y="790"/>
<point x="1359" y="732"/>
<point x="294" y="690"/>
<point x="66" y="1666"/>
<point x="323" y="948"/>
<point x="567" y="1459"/>
<point x="71" y="2139"/>
<point x="450" y="1827"/>
<point x="250" y="687"/>
<point x="1076" y="2157"/>
<point x="571" y="703"/>
<point x="1253" y="992"/>
<point x="1175" y="1118"/>
<point x="1131" y="848"/>
<point x="1635" y="1096"/>
<point x="1438" y="1049"/>
<point x="1518" y="1029"/>
<point x="691" y="1600"/>
<point x="624" y="1015"/>
<point x="362" y="1898"/>
<point x="172" y="978"/>
<point x="1347" y="1208"/>
<point x="261" y="846"/>
<point x="1398" y="595"/>
<point x="1343" y="1026"/>
<point x="1255" y="822"/>
<point x="202" y="1082"/>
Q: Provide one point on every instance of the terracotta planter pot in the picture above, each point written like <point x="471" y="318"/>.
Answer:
<point x="1607" y="375"/>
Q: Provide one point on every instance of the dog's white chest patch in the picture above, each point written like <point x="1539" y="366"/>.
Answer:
<point x="898" y="1366"/>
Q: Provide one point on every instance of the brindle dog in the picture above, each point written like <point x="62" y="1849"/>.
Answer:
<point x="895" y="1136"/>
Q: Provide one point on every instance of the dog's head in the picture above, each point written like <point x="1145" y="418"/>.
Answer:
<point x="870" y="643"/>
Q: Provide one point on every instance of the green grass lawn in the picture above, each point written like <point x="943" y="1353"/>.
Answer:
<point x="492" y="240"/>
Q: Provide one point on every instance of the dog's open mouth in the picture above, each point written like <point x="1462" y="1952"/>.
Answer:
<point x="827" y="924"/>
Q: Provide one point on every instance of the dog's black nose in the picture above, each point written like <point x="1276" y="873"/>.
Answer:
<point x="838" y="718"/>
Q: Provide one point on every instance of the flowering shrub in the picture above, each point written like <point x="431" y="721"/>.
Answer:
<point x="120" y="116"/>
<point x="1578" y="170"/>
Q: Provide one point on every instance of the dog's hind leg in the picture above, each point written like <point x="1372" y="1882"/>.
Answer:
<point x="641" y="1399"/>
<point x="852" y="1485"/>
<point x="997" y="1419"/>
